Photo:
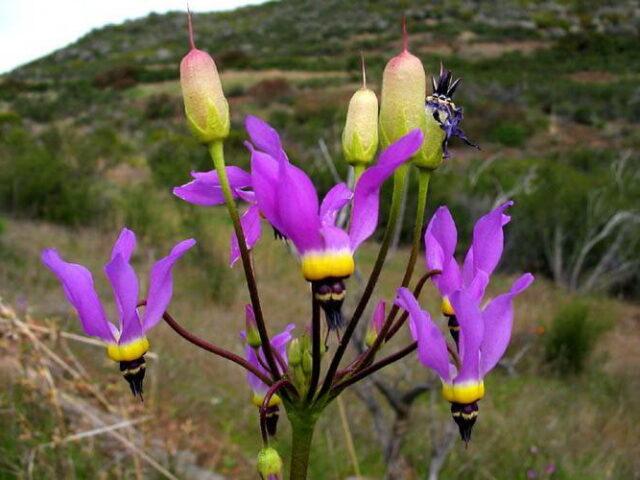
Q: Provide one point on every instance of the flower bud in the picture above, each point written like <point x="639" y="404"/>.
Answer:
<point x="269" y="464"/>
<point x="205" y="105"/>
<point x="253" y="336"/>
<point x="402" y="104"/>
<point x="360" y="135"/>
<point x="377" y="321"/>
<point x="294" y="353"/>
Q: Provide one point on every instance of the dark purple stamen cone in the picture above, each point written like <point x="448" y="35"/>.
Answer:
<point x="278" y="235"/>
<point x="133" y="372"/>
<point x="465" y="416"/>
<point x="272" y="420"/>
<point x="330" y="293"/>
<point x="454" y="328"/>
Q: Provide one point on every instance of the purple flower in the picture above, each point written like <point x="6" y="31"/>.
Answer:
<point x="484" y="335"/>
<point x="481" y="335"/>
<point x="286" y="196"/>
<point x="126" y="343"/>
<point x="480" y="261"/>
<point x="205" y="190"/>
<point x="255" y="356"/>
<point x="377" y="322"/>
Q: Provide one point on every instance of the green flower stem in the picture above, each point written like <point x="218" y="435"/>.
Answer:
<point x="303" y="423"/>
<point x="423" y="188"/>
<point x="358" y="170"/>
<point x="399" y="181"/>
<point x="216" y="150"/>
<point x="315" y="352"/>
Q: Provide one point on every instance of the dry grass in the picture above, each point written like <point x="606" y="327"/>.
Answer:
<point x="584" y="425"/>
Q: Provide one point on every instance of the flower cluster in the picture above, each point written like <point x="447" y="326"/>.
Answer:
<point x="283" y="371"/>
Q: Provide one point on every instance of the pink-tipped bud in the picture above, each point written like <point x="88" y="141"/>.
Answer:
<point x="360" y="135"/>
<point x="205" y="105"/>
<point x="377" y="321"/>
<point x="402" y="105"/>
<point x="253" y="336"/>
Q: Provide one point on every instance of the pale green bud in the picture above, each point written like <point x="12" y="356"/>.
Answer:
<point x="269" y="464"/>
<point x="360" y="135"/>
<point x="294" y="353"/>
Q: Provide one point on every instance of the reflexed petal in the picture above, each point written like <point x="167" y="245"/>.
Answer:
<point x="264" y="137"/>
<point x="125" y="291"/>
<point x="471" y="333"/>
<point x="205" y="188"/>
<point x="250" y="222"/>
<point x="333" y="202"/>
<point x="279" y="342"/>
<point x="256" y="385"/>
<point x="366" y="201"/>
<point x="161" y="284"/>
<point x="498" y="321"/>
<point x="432" y="347"/>
<point x="125" y="245"/>
<point x="335" y="238"/>
<point x="77" y="283"/>
<point x="264" y="180"/>
<point x="488" y="242"/>
<point x="378" y="316"/>
<point x="440" y="241"/>
<point x="297" y="207"/>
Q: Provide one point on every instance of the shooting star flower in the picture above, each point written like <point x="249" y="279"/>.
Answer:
<point x="255" y="356"/>
<point x="286" y="196"/>
<point x="126" y="344"/>
<point x="484" y="335"/>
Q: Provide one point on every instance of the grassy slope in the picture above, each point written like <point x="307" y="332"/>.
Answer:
<point x="584" y="425"/>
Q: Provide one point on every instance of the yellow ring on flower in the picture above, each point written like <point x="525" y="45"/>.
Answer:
<point x="257" y="400"/>
<point x="321" y="265"/>
<point x="447" y="308"/>
<point x="466" y="392"/>
<point x="128" y="351"/>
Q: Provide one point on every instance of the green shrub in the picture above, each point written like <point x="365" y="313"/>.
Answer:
<point x="571" y="338"/>
<point x="509" y="134"/>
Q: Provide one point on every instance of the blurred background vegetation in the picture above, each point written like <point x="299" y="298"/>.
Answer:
<point x="93" y="137"/>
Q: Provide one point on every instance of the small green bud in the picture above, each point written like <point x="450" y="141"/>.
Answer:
<point x="253" y="335"/>
<point x="360" y="135"/>
<point x="370" y="338"/>
<point x="307" y="362"/>
<point x="269" y="464"/>
<point x="294" y="353"/>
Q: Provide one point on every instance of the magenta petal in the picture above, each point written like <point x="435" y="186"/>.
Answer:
<point x="125" y="245"/>
<point x="264" y="180"/>
<point x="161" y="284"/>
<point x="366" y="201"/>
<point x="377" y="321"/>
<point x="498" y="321"/>
<point x="333" y="202"/>
<point x="471" y="333"/>
<point x="257" y="386"/>
<point x="297" y="208"/>
<point x="205" y="188"/>
<point x="335" y="239"/>
<point x="280" y="341"/>
<point x="124" y="283"/>
<point x="432" y="347"/>
<point x="77" y="283"/>
<point x="250" y="223"/>
<point x="488" y="241"/>
<point x="264" y="137"/>
<point x="440" y="241"/>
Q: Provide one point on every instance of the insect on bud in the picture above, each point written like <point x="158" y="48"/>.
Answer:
<point x="205" y="105"/>
<point x="269" y="464"/>
<point x="360" y="135"/>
